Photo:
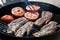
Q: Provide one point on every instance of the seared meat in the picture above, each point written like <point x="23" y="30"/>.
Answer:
<point x="40" y="21"/>
<point x="16" y="24"/>
<point x="25" y="28"/>
<point x="47" y="29"/>
<point x="47" y="15"/>
<point x="29" y="28"/>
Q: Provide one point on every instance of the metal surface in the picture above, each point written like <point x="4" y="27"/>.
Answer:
<point x="44" y="6"/>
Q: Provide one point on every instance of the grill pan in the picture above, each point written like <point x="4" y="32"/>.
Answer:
<point x="44" y="7"/>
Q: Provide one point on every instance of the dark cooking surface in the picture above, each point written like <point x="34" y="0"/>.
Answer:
<point x="44" y="6"/>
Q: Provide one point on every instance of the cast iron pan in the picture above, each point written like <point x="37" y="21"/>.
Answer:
<point x="44" y="6"/>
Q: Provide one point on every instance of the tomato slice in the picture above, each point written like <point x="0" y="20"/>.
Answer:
<point x="35" y="8"/>
<point x="31" y="16"/>
<point x="18" y="11"/>
<point x="7" y="18"/>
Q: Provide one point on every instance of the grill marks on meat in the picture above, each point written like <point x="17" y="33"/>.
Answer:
<point x="29" y="28"/>
<point x="25" y="28"/>
<point x="47" y="15"/>
<point x="40" y="21"/>
<point x="47" y="29"/>
<point x="50" y="25"/>
<point x="16" y="24"/>
<point x="45" y="18"/>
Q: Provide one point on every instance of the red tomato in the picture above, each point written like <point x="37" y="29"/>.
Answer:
<point x="31" y="16"/>
<point x="7" y="18"/>
<point x="35" y="8"/>
<point x="18" y="11"/>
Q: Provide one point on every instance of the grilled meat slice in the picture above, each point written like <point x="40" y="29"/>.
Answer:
<point x="40" y="21"/>
<point x="16" y="24"/>
<point x="47" y="15"/>
<point x="47" y="29"/>
<point x="25" y="28"/>
<point x="29" y="28"/>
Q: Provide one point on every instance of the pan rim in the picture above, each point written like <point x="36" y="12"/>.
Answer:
<point x="23" y="2"/>
<point x="32" y="1"/>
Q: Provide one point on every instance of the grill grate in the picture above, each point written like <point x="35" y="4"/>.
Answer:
<point x="3" y="26"/>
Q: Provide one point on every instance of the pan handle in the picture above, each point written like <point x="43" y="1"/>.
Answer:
<point x="58" y="27"/>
